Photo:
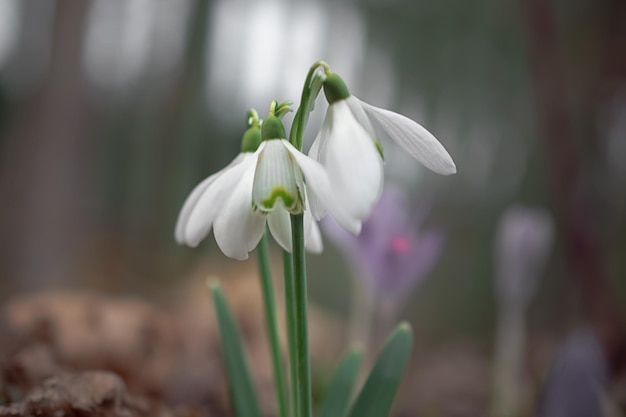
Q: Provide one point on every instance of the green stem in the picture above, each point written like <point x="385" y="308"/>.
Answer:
<point x="297" y="127"/>
<point x="290" y="306"/>
<point x="303" y="367"/>
<point x="272" y="326"/>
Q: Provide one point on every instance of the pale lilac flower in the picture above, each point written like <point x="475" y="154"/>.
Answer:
<point x="391" y="256"/>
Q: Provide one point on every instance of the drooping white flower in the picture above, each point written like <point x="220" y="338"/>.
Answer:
<point x="347" y="146"/>
<point x="257" y="187"/>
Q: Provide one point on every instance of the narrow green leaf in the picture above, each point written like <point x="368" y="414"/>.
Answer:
<point x="339" y="392"/>
<point x="377" y="395"/>
<point x="241" y="389"/>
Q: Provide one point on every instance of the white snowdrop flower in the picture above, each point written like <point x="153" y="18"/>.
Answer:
<point x="259" y="186"/>
<point x="348" y="148"/>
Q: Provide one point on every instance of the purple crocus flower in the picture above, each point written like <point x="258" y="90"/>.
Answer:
<point x="391" y="256"/>
<point x="577" y="382"/>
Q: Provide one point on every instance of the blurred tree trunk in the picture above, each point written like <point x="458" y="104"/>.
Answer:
<point x="573" y="173"/>
<point x="44" y="168"/>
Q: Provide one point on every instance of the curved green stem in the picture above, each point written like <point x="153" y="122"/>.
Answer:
<point x="252" y="118"/>
<point x="290" y="313"/>
<point x="299" y="120"/>
<point x="303" y="367"/>
<point x="272" y="326"/>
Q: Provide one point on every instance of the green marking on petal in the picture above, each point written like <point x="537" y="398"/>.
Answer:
<point x="279" y="192"/>
<point x="379" y="148"/>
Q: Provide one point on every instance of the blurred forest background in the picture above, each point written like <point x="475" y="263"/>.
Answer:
<point x="111" y="111"/>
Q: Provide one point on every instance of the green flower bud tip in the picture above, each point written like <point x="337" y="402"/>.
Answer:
<point x="283" y="108"/>
<point x="335" y="89"/>
<point x="251" y="139"/>
<point x="273" y="128"/>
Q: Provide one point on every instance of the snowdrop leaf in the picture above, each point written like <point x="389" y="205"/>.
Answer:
<point x="376" y="397"/>
<point x="242" y="391"/>
<point x="339" y="392"/>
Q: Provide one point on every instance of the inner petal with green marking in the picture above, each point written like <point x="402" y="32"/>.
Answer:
<point x="277" y="177"/>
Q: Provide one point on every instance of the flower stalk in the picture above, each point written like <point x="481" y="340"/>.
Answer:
<point x="269" y="304"/>
<point x="299" y="299"/>
<point x="309" y="94"/>
<point x="290" y="305"/>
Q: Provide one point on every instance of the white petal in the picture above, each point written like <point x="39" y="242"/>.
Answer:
<point x="279" y="223"/>
<point x="276" y="178"/>
<point x="212" y="200"/>
<point x="317" y="208"/>
<point x="194" y="197"/>
<point x="414" y="139"/>
<point x="238" y="229"/>
<point x="353" y="163"/>
<point x="280" y="226"/>
<point x="359" y="113"/>
<point x="312" y="236"/>
<point x="319" y="186"/>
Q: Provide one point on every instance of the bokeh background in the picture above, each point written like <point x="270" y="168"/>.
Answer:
<point x="111" y="111"/>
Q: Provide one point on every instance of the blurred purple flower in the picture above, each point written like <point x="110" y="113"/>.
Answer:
<point x="390" y="255"/>
<point x="577" y="382"/>
<point x="523" y="241"/>
<point x="522" y="245"/>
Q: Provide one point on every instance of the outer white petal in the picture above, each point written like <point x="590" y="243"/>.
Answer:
<point x="317" y="208"/>
<point x="212" y="200"/>
<point x="280" y="226"/>
<point x="414" y="139"/>
<point x="319" y="185"/>
<point x="194" y="197"/>
<point x="359" y="113"/>
<point x="353" y="163"/>
<point x="312" y="236"/>
<point x="238" y="229"/>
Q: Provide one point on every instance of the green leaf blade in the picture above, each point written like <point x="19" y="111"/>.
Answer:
<point x="376" y="397"/>
<point x="339" y="392"/>
<point x="241" y="388"/>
